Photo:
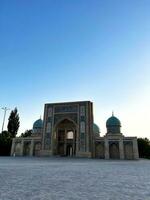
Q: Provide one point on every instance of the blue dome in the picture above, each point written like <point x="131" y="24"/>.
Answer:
<point x="113" y="121"/>
<point x="38" y="124"/>
<point x="96" y="130"/>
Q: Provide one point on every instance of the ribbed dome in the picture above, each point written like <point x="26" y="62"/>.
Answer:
<point x="113" y="121"/>
<point x="96" y="130"/>
<point x="38" y="124"/>
<point x="113" y="125"/>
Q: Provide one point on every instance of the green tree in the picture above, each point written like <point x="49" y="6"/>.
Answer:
<point x="13" y="123"/>
<point x="27" y="133"/>
<point x="5" y="143"/>
<point x="144" y="147"/>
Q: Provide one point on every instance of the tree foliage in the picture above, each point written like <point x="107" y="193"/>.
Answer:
<point x="13" y="123"/>
<point x="144" y="147"/>
<point x="27" y="133"/>
<point x="6" y="136"/>
<point x="5" y="143"/>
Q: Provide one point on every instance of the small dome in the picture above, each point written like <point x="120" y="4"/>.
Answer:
<point x="113" y="125"/>
<point x="113" y="121"/>
<point x="38" y="124"/>
<point x="96" y="130"/>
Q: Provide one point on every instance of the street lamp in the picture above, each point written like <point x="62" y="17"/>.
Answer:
<point x="5" y="110"/>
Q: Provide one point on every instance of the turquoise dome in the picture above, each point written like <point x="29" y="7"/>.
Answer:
<point x="113" y="125"/>
<point x="96" y="130"/>
<point x="113" y="121"/>
<point x="38" y="124"/>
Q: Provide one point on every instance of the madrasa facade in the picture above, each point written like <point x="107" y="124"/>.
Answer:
<point x="67" y="129"/>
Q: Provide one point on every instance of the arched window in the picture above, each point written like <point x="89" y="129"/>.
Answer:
<point x="70" y="135"/>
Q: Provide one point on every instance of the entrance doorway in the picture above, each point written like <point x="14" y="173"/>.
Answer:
<point x="66" y="138"/>
<point x="114" y="150"/>
<point x="69" y="150"/>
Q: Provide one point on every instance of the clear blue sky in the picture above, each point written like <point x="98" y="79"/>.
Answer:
<point x="62" y="50"/>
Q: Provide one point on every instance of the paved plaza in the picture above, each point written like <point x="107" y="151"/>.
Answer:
<point x="27" y="178"/>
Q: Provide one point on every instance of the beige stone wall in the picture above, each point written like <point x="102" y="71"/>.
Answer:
<point x="28" y="146"/>
<point x="99" y="150"/>
<point x="37" y="148"/>
<point x="116" y="146"/>
<point x="17" y="149"/>
<point x="128" y="151"/>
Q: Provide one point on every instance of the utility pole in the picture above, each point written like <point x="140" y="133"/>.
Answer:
<point x="5" y="110"/>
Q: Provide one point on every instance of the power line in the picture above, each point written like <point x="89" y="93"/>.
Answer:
<point x="5" y="110"/>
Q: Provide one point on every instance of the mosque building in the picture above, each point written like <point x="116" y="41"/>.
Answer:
<point x="67" y="129"/>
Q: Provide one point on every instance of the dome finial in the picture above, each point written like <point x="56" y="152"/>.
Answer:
<point x="112" y="113"/>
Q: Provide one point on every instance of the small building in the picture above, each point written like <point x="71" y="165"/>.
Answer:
<point x="68" y="130"/>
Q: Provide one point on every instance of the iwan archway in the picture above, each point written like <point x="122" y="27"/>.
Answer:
<point x="65" y="138"/>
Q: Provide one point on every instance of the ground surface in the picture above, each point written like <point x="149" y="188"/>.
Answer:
<point x="73" y="179"/>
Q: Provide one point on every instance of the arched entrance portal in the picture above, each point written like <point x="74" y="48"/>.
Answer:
<point x="66" y="138"/>
<point x="114" y="150"/>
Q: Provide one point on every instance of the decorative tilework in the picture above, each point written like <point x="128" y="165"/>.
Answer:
<point x="82" y="127"/>
<point x="47" y="143"/>
<point x="50" y="112"/>
<point x="72" y="116"/>
<point x="82" y="110"/>
<point x="48" y="127"/>
<point x="66" y="108"/>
